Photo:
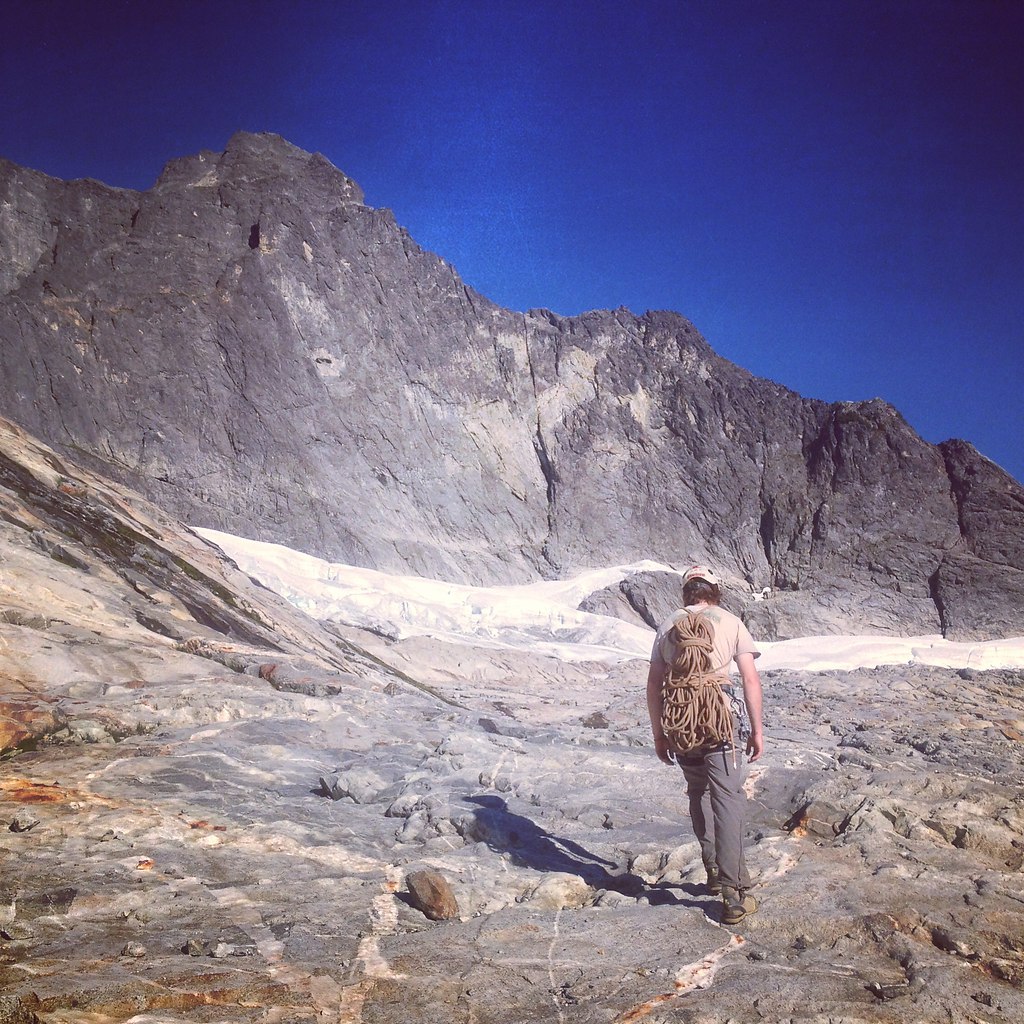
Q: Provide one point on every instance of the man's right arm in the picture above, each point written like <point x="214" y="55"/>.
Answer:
<point x="655" y="677"/>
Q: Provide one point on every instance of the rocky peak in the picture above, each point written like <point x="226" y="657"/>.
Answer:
<point x="261" y="162"/>
<point x="258" y="351"/>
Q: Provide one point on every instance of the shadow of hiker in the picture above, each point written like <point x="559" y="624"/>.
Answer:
<point x="530" y="846"/>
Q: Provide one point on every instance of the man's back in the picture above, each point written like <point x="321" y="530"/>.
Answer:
<point x="731" y="636"/>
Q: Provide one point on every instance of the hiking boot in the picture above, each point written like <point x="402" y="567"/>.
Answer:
<point x="736" y="904"/>
<point x="714" y="883"/>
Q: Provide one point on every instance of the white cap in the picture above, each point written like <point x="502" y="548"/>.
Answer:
<point x="700" y="572"/>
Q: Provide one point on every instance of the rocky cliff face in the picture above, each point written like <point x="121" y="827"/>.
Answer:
<point x="257" y="350"/>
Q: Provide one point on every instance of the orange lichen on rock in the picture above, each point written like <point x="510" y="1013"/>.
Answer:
<point x="26" y="720"/>
<point x="1012" y="730"/>
<point x="179" y="993"/>
<point x="203" y="823"/>
<point x="25" y="792"/>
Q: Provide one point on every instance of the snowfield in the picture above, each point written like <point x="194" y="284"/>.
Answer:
<point x="545" y="616"/>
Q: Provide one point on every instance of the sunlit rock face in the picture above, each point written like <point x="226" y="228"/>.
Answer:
<point x="214" y="807"/>
<point x="257" y="350"/>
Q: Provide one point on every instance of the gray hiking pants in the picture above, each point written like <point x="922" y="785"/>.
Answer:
<point x="718" y="807"/>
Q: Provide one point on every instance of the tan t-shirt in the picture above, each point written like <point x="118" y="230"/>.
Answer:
<point x="731" y="637"/>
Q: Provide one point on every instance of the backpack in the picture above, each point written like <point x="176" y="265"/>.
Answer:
<point x="694" y="715"/>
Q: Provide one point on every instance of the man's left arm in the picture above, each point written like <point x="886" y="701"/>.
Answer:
<point x="752" y="695"/>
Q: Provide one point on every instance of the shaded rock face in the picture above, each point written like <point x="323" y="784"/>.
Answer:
<point x="648" y="598"/>
<point x="257" y="350"/>
<point x="643" y="598"/>
<point x="982" y="575"/>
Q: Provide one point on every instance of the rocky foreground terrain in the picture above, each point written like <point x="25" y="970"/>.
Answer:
<point x="214" y="808"/>
<point x="256" y="349"/>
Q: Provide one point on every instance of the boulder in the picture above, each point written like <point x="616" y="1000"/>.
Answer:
<point x="430" y="893"/>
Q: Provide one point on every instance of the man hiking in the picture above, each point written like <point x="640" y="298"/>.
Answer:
<point x="692" y="706"/>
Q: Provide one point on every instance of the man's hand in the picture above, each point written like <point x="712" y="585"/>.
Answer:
<point x="661" y="748"/>
<point x="755" y="746"/>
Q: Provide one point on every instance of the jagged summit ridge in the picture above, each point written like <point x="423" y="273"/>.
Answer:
<point x="264" y="160"/>
<point x="258" y="351"/>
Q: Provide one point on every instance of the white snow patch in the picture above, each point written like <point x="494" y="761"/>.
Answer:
<point x="544" y="616"/>
<point x="836" y="653"/>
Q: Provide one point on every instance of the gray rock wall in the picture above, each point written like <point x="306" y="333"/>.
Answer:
<point x="257" y="350"/>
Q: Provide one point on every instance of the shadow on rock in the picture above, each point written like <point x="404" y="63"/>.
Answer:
<point x="530" y="846"/>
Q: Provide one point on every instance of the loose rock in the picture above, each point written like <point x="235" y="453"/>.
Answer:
<point x="431" y="894"/>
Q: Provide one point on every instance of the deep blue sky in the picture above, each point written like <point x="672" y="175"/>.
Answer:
<point x="832" y="191"/>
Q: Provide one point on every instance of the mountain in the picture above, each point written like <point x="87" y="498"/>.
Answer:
<point x="256" y="350"/>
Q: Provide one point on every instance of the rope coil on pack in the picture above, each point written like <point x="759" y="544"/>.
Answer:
<point x="694" y="715"/>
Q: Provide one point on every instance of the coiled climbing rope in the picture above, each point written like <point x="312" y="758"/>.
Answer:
<point x="694" y="715"/>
